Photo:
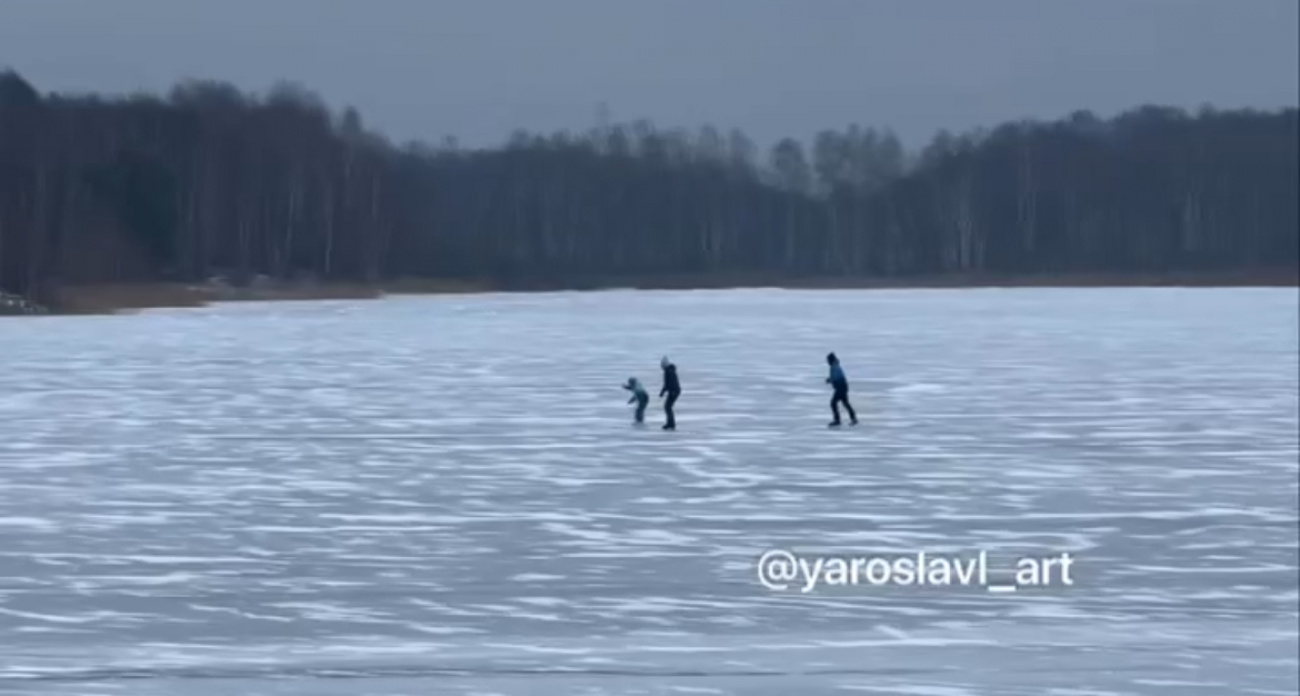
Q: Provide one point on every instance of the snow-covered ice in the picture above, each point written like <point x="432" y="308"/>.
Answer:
<point x="446" y="495"/>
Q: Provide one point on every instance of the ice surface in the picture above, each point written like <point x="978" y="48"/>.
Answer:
<point x="446" y="495"/>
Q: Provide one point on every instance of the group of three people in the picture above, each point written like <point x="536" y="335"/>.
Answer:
<point x="672" y="388"/>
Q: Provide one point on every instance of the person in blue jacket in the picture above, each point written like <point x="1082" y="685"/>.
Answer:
<point x="639" y="397"/>
<point x="840" y="384"/>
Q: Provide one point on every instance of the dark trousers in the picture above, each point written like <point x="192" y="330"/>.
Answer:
<point x="640" y="409"/>
<point x="668" y="408"/>
<point x="841" y="396"/>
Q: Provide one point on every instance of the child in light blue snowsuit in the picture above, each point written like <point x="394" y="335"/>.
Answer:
<point x="639" y="397"/>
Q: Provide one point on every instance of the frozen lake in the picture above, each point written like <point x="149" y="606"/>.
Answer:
<point x="446" y="495"/>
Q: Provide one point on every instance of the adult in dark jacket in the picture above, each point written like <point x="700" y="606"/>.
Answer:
<point x="840" y="384"/>
<point x="673" y="389"/>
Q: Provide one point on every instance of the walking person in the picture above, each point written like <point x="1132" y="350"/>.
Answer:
<point x="840" y="384"/>
<point x="673" y="389"/>
<point x="639" y="397"/>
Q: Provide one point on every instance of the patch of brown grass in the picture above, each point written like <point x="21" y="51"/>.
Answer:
<point x="435" y="286"/>
<point x="113" y="298"/>
<point x="1269" y="278"/>
<point x="330" y="291"/>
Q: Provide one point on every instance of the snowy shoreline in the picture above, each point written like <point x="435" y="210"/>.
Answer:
<point x="125" y="297"/>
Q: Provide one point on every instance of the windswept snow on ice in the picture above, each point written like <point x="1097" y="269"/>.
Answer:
<point x="446" y="495"/>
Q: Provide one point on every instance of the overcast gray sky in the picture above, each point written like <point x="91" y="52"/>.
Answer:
<point x="477" y="69"/>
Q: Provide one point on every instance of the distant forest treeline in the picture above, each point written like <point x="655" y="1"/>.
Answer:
<point x="210" y="180"/>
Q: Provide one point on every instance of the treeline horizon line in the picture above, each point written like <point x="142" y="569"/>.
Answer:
<point x="339" y="110"/>
<point x="210" y="179"/>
